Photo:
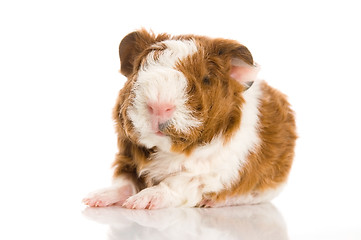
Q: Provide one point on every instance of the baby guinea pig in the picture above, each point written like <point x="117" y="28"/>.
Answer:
<point x="195" y="126"/>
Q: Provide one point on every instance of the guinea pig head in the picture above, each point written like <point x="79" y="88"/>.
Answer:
<point x="182" y="91"/>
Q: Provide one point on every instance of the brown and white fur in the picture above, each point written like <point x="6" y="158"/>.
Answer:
<point x="195" y="126"/>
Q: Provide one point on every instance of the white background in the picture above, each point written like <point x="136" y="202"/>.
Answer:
<point x="59" y="80"/>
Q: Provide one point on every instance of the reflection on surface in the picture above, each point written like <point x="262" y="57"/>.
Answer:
<point x="261" y="221"/>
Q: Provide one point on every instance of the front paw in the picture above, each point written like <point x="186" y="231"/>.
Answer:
<point x="109" y="196"/>
<point x="152" y="198"/>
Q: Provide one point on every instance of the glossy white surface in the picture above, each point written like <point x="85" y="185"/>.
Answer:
<point x="59" y="81"/>
<point x="246" y="222"/>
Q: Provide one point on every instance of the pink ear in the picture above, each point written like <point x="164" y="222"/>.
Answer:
<point x="243" y="72"/>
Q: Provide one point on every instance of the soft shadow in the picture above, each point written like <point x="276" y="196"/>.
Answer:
<point x="261" y="221"/>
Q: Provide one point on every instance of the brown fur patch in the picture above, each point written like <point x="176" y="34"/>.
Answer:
<point x="214" y="97"/>
<point x="270" y="164"/>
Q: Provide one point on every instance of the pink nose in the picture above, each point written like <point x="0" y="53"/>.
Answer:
<point x="162" y="110"/>
<point x="160" y="113"/>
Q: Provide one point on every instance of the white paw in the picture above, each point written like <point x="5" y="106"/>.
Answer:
<point x="114" y="195"/>
<point x="152" y="198"/>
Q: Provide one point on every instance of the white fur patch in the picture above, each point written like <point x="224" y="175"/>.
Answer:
<point x="212" y="167"/>
<point x="159" y="81"/>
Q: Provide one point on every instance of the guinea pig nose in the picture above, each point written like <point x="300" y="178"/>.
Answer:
<point x="164" y="110"/>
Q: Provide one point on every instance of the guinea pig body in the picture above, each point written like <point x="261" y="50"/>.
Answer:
<point x="195" y="126"/>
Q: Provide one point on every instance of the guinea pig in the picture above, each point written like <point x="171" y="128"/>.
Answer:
<point x="195" y="126"/>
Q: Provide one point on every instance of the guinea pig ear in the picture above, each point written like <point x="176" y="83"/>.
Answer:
<point x="132" y="45"/>
<point x="243" y="69"/>
<point x="243" y="72"/>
